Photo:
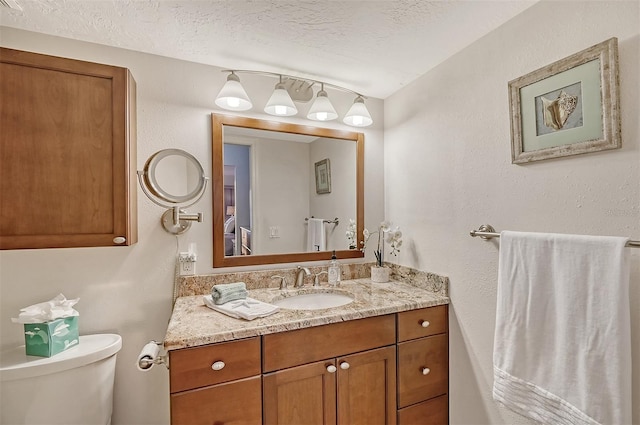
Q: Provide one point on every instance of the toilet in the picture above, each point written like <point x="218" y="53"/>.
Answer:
<point x="73" y="387"/>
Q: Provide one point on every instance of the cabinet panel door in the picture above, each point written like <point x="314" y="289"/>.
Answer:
<point x="68" y="155"/>
<point x="367" y="388"/>
<point x="423" y="369"/>
<point x="430" y="412"/>
<point x="300" y="395"/>
<point x="233" y="403"/>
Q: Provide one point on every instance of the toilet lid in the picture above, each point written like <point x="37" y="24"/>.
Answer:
<point x="15" y="364"/>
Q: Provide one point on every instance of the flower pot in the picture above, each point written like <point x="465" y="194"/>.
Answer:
<point x="380" y="274"/>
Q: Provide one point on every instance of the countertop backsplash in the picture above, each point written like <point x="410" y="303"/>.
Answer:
<point x="261" y="279"/>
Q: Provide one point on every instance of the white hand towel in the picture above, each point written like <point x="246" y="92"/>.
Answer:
<point x="316" y="235"/>
<point x="562" y="350"/>
<point x="248" y="308"/>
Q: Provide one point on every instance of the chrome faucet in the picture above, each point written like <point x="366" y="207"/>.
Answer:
<point x="300" y="275"/>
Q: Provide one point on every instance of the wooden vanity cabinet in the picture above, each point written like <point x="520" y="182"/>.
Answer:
<point x="367" y="371"/>
<point x="423" y="366"/>
<point x="67" y="153"/>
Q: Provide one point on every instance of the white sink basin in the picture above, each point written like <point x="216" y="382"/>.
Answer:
<point x="314" y="301"/>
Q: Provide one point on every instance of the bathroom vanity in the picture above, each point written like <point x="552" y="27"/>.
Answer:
<point x="382" y="359"/>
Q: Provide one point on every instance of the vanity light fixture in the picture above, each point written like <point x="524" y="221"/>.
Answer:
<point x="233" y="97"/>
<point x="322" y="109"/>
<point x="280" y="102"/>
<point x="358" y="115"/>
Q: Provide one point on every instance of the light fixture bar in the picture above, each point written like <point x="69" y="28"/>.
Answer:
<point x="233" y="97"/>
<point x="278" y="75"/>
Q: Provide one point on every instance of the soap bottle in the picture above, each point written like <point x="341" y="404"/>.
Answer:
<point x="334" y="270"/>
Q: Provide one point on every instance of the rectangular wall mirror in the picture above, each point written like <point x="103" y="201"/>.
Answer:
<point x="284" y="192"/>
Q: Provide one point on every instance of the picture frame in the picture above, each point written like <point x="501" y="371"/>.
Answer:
<point x="323" y="176"/>
<point x="569" y="107"/>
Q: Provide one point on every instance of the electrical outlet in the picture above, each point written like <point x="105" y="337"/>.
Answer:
<point x="187" y="263"/>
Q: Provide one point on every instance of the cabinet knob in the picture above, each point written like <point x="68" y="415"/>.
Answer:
<point x="344" y="365"/>
<point x="219" y="365"/>
<point x="119" y="239"/>
<point x="331" y="369"/>
<point x="425" y="370"/>
<point x="425" y="323"/>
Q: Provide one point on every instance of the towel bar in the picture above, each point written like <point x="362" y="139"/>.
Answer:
<point x="486" y="232"/>
<point x="334" y="221"/>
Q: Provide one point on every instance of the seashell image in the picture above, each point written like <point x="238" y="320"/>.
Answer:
<point x="557" y="111"/>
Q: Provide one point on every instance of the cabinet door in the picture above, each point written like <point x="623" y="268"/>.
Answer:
<point x="301" y="395"/>
<point x="233" y="403"/>
<point x="367" y="388"/>
<point x="67" y="154"/>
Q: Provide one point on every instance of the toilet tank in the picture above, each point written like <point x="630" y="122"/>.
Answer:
<point x="74" y="387"/>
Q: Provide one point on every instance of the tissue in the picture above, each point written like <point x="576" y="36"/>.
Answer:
<point x="56" y="308"/>
<point x="50" y="327"/>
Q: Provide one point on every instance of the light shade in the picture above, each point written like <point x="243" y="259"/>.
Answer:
<point x="322" y="109"/>
<point x="231" y="210"/>
<point x="358" y="115"/>
<point x="280" y="103"/>
<point x="232" y="95"/>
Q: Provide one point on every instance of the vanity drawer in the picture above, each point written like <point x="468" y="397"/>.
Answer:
<point x="423" y="369"/>
<point x="430" y="412"/>
<point x="193" y="367"/>
<point x="238" y="402"/>
<point x="294" y="348"/>
<point x="420" y="323"/>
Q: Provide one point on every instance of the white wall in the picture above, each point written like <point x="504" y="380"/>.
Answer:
<point x="128" y="290"/>
<point x="448" y="170"/>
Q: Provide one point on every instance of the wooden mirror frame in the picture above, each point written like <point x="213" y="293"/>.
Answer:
<point x="219" y="259"/>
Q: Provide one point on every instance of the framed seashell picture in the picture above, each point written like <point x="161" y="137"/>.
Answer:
<point x="569" y="107"/>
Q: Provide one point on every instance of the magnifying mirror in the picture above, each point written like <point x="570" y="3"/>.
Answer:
<point x="174" y="179"/>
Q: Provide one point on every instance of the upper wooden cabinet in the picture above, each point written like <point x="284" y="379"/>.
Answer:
<point x="67" y="153"/>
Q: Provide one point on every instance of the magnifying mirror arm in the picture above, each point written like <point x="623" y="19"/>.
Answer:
<point x="180" y="214"/>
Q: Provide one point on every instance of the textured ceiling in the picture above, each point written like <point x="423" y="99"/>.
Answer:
<point x="372" y="47"/>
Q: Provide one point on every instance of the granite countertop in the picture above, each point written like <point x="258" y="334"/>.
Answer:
<point x="193" y="324"/>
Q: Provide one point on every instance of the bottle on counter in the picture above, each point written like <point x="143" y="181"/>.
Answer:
<point x="334" y="270"/>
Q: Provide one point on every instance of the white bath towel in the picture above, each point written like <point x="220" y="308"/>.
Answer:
<point x="248" y="308"/>
<point x="562" y="350"/>
<point x="316" y="235"/>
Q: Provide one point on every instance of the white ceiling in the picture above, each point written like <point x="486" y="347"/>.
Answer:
<point x="372" y="47"/>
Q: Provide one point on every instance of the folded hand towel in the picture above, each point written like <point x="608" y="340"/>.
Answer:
<point x="247" y="309"/>
<point x="225" y="292"/>
<point x="562" y="349"/>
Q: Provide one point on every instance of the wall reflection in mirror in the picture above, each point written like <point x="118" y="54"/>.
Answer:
<point x="283" y="192"/>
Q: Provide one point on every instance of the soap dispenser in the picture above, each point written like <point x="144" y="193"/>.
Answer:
<point x="334" y="270"/>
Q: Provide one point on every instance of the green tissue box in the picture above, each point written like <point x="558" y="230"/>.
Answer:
<point x="50" y="338"/>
